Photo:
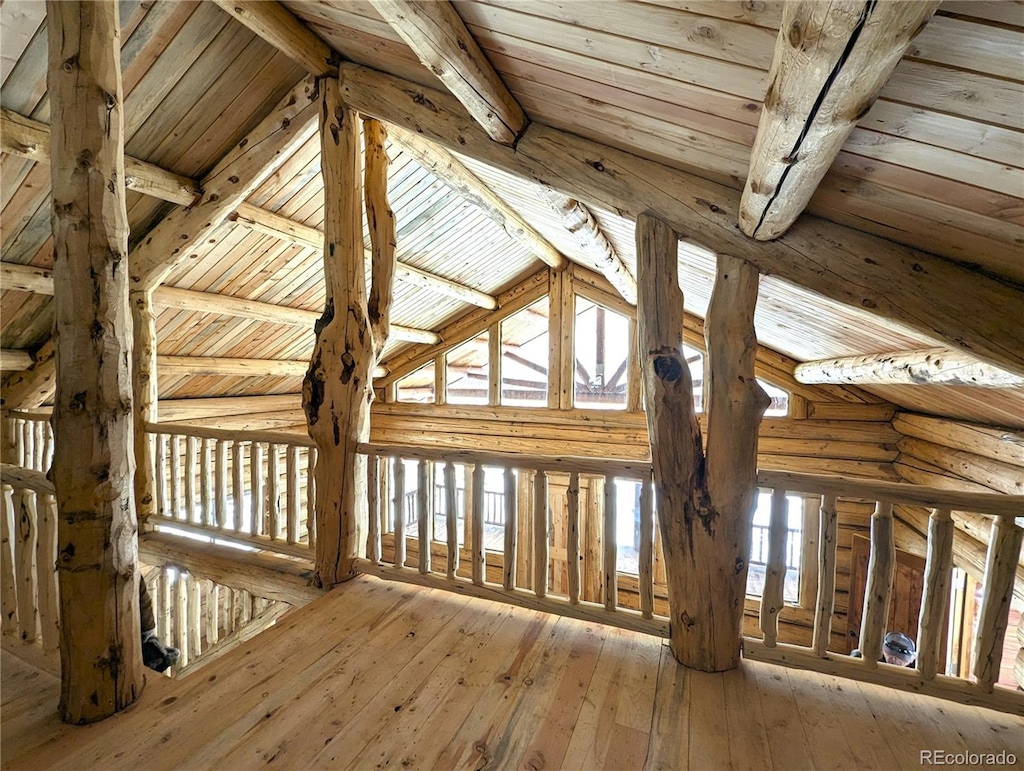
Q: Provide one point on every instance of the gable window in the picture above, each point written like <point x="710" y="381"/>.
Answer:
<point x="779" y="407"/>
<point x="468" y="372"/>
<point x="524" y="357"/>
<point x="417" y="387"/>
<point x="602" y="354"/>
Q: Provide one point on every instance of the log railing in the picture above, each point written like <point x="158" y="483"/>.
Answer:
<point x="477" y="553"/>
<point x="252" y="487"/>
<point x="1000" y="573"/>
<point x="32" y="440"/>
<point x="28" y="564"/>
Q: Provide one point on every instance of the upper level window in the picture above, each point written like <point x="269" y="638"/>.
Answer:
<point x="524" y="356"/>
<point x="794" y="546"/>
<point x="418" y="386"/>
<point x="779" y="407"/>
<point x="695" y="361"/>
<point x="468" y="372"/>
<point x="602" y="355"/>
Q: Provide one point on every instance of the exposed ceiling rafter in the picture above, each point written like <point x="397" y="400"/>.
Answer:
<point x="831" y="60"/>
<point x="932" y="366"/>
<point x="30" y="139"/>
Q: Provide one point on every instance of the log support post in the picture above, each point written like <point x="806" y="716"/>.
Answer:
<point x="145" y="397"/>
<point x="100" y="642"/>
<point x="338" y="387"/>
<point x="705" y="502"/>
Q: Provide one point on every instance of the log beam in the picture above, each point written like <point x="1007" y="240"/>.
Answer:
<point x="337" y="390"/>
<point x="459" y="178"/>
<point x="40" y="281"/>
<point x="249" y="163"/>
<point x="922" y="291"/>
<point x="704" y="502"/>
<point x="15" y="360"/>
<point x="30" y="139"/>
<point x="438" y="36"/>
<point x="278" y="26"/>
<point x="932" y="366"/>
<point x="831" y="61"/>
<point x="100" y="643"/>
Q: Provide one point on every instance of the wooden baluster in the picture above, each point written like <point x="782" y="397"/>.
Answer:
<point x="451" y="510"/>
<point x="938" y="573"/>
<point x="237" y="484"/>
<point x="190" y="478"/>
<point x="373" y="498"/>
<point x="825" y="605"/>
<point x="881" y="568"/>
<point x="1000" y="572"/>
<point x="176" y="512"/>
<point x="511" y="530"/>
<point x="25" y="563"/>
<point x="292" y="468"/>
<point x="426" y="519"/>
<point x="572" y="544"/>
<point x="166" y="606"/>
<point x="775" y="571"/>
<point x="541" y="535"/>
<point x="230" y="607"/>
<point x="220" y="487"/>
<point x="311" y="498"/>
<point x="479" y="548"/>
<point x="195" y="618"/>
<point x="273" y="523"/>
<point x="8" y="580"/>
<point x="181" y="618"/>
<point x="46" y="565"/>
<point x="38" y="435"/>
<point x="29" y="444"/>
<point x="399" y="540"/>
<point x="256" y="489"/>
<point x="646" y="571"/>
<point x="161" y="475"/>
<point x="246" y="614"/>
<point x="212" y="613"/>
<point x="1018" y="665"/>
<point x="47" y="446"/>
<point x="610" y="546"/>
<point x="209" y="518"/>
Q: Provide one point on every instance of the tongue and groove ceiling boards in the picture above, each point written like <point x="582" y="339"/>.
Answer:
<point x="935" y="164"/>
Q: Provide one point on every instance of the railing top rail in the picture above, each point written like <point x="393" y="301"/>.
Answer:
<point x="270" y="437"/>
<point x="41" y="417"/>
<point x="993" y="504"/>
<point x="620" y="468"/>
<point x="19" y="477"/>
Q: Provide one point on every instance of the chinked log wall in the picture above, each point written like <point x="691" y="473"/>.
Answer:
<point x="843" y="437"/>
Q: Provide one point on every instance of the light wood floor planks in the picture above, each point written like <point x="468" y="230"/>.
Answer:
<point x="386" y="675"/>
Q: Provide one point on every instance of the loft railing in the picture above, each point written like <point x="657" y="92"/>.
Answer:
<point x="1000" y="574"/>
<point x="492" y="545"/>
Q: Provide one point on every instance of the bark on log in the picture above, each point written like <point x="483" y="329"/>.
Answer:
<point x="704" y="504"/>
<point x="338" y="388"/>
<point x="93" y="459"/>
<point x="932" y="366"/>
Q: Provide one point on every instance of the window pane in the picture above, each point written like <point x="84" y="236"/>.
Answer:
<point x="418" y="387"/>
<point x="759" y="546"/>
<point x="602" y="352"/>
<point x="524" y="356"/>
<point x="695" y="360"/>
<point x="779" y="407"/>
<point x="468" y="371"/>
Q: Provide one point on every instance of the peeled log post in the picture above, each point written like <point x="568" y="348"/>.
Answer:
<point x="338" y="388"/>
<point x="144" y="392"/>
<point x="881" y="567"/>
<point x="825" y="605"/>
<point x="704" y="505"/>
<point x="100" y="642"/>
<point x="381" y="222"/>
<point x="935" y="599"/>
<point x="1003" y="553"/>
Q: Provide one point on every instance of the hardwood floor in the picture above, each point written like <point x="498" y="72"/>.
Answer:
<point x="378" y="675"/>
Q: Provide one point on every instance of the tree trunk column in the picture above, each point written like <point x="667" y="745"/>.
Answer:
<point x="338" y="388"/>
<point x="704" y="503"/>
<point x="101" y="666"/>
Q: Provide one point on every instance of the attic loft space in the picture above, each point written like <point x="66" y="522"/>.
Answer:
<point x="499" y="383"/>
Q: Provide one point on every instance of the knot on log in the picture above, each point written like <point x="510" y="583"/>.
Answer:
<point x="668" y="368"/>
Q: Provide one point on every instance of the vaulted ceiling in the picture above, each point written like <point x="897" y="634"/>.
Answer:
<point x="935" y="164"/>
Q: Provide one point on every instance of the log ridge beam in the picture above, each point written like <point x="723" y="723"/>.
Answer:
<point x="931" y="366"/>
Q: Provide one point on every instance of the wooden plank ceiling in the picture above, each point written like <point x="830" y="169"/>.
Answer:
<point x="935" y="164"/>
